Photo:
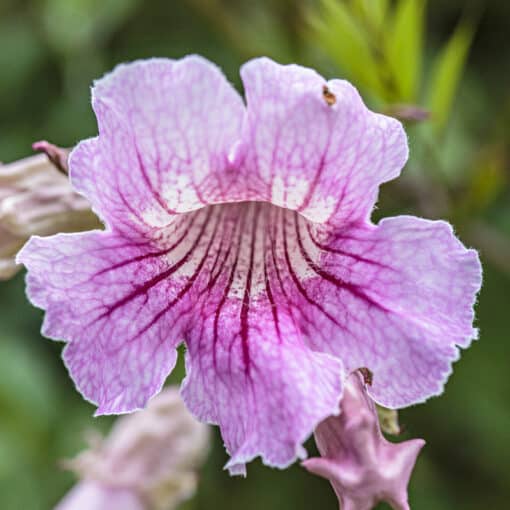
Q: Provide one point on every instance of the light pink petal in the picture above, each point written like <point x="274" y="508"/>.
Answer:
<point x="248" y="368"/>
<point x="323" y="160"/>
<point x="166" y="129"/>
<point x="121" y="304"/>
<point x="396" y="298"/>
<point x="249" y="371"/>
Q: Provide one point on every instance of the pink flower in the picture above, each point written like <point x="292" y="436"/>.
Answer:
<point x="149" y="461"/>
<point x="245" y="232"/>
<point x="362" y="466"/>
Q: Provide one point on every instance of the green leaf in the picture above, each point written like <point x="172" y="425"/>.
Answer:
<point x="405" y="48"/>
<point x="446" y="74"/>
<point x="344" y="40"/>
<point x="374" y="11"/>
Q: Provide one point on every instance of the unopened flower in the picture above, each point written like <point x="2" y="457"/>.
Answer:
<point x="36" y="199"/>
<point x="149" y="461"/>
<point x="245" y="232"/>
<point x="57" y="155"/>
<point x="362" y="466"/>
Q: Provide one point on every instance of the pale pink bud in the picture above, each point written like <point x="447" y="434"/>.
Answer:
<point x="149" y="461"/>
<point x="36" y="199"/>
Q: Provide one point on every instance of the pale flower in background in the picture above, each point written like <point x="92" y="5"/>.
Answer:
<point x="36" y="199"/>
<point x="149" y="461"/>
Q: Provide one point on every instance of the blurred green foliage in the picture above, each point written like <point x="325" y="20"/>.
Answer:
<point x="382" y="50"/>
<point x="446" y="74"/>
<point x="432" y="56"/>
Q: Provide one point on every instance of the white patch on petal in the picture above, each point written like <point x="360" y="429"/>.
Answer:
<point x="155" y="217"/>
<point x="291" y="194"/>
<point x="278" y="191"/>
<point x="321" y="209"/>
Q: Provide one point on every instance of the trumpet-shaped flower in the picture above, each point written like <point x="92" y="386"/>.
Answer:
<point x="245" y="232"/>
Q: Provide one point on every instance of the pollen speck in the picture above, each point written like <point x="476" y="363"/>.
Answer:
<point x="328" y="96"/>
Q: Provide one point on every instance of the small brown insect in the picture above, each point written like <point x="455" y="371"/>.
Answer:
<point x="367" y="375"/>
<point x="328" y="96"/>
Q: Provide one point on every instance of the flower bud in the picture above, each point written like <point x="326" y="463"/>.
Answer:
<point x="149" y="460"/>
<point x="362" y="466"/>
<point x="36" y="199"/>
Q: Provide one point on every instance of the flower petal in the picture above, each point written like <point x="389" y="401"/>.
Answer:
<point x="251" y="374"/>
<point x="313" y="146"/>
<point x="122" y="305"/>
<point x="396" y="299"/>
<point x="248" y="369"/>
<point x="165" y="132"/>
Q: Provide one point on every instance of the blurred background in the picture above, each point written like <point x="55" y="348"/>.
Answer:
<point x="442" y="67"/>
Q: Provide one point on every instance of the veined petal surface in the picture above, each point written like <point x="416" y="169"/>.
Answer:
<point x="165" y="131"/>
<point x="304" y="152"/>
<point x="396" y="298"/>
<point x="211" y="282"/>
<point x="245" y="234"/>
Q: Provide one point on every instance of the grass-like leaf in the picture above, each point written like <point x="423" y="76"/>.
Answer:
<point x="446" y="74"/>
<point x="405" y="47"/>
